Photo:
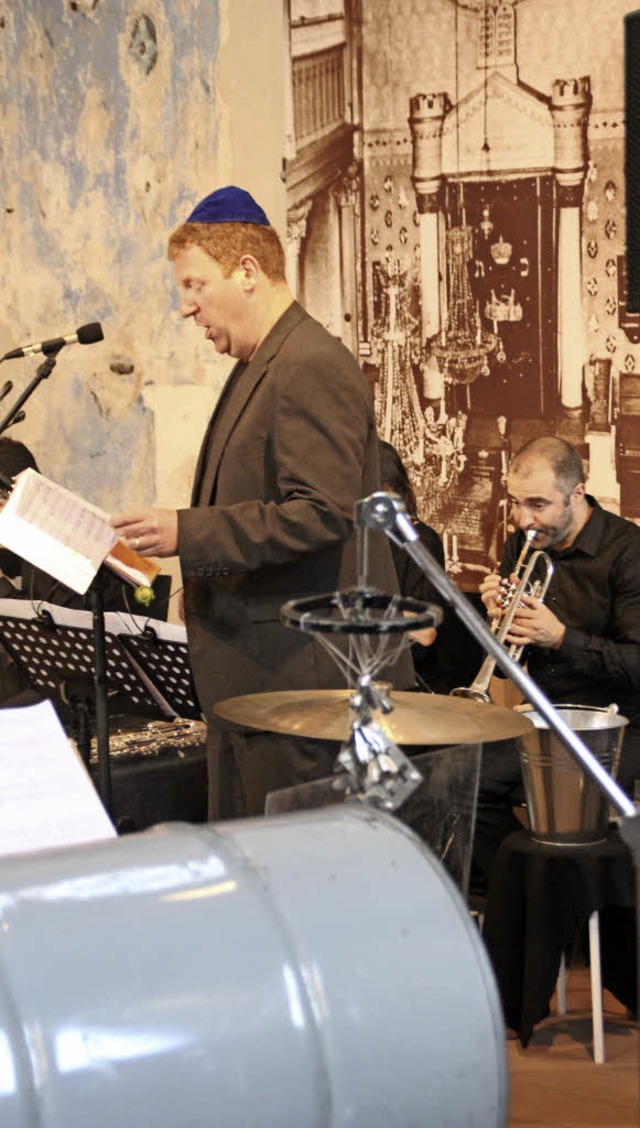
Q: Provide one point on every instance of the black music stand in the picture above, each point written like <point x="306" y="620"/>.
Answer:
<point x="55" y="649"/>
<point x="160" y="653"/>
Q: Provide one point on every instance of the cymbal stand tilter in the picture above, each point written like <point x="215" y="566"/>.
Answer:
<point x="369" y="765"/>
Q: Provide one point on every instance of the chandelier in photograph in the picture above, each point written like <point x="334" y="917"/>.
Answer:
<point x="463" y="346"/>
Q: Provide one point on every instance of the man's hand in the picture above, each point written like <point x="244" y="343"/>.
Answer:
<point x="150" y="532"/>
<point x="426" y="636"/>
<point x="489" y="589"/>
<point x="535" y="625"/>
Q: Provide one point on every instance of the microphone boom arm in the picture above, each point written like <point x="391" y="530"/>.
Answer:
<point x="385" y="512"/>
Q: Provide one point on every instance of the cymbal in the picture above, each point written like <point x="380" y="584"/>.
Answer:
<point x="417" y="718"/>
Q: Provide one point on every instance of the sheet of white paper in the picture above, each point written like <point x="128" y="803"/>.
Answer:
<point x="115" y="623"/>
<point x="120" y="622"/>
<point x="55" y="530"/>
<point x="46" y="796"/>
<point x="64" y="616"/>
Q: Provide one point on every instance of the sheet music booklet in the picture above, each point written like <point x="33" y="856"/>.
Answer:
<point x="65" y="536"/>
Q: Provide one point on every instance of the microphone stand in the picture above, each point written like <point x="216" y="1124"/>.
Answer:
<point x="96" y="603"/>
<point x="45" y="369"/>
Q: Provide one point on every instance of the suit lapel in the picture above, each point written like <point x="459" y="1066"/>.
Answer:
<point x="203" y="457"/>
<point x="233" y="400"/>
<point x="223" y="424"/>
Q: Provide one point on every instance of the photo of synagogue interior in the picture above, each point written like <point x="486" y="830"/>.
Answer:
<point x="319" y="564"/>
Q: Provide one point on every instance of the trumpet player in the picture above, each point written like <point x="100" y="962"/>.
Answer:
<point x="583" y="641"/>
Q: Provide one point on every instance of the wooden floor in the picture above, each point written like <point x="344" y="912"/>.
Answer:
<point x="555" y="1083"/>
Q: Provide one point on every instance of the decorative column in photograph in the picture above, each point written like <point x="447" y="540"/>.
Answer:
<point x="570" y="106"/>
<point x="296" y="231"/>
<point x="426" y="118"/>
<point x="346" y="194"/>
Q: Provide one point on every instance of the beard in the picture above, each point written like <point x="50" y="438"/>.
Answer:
<point x="556" y="534"/>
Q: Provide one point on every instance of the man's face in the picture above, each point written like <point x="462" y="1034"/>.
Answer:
<point x="538" y="503"/>
<point x="217" y="303"/>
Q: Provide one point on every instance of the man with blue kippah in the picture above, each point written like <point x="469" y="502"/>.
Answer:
<point x="290" y="448"/>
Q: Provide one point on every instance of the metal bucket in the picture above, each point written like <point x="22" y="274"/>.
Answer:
<point x="565" y="806"/>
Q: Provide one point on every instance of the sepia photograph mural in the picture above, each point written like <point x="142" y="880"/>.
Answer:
<point x="457" y="169"/>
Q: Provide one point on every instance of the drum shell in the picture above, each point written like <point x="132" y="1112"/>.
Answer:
<point x="314" y="970"/>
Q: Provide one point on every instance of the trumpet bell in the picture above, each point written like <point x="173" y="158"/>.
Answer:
<point x="471" y="694"/>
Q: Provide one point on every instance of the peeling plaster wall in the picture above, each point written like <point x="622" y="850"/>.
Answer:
<point x="116" y="118"/>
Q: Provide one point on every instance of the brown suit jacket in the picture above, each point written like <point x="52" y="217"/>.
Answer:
<point x="291" y="447"/>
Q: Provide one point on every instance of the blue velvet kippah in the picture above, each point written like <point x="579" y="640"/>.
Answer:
<point x="228" y="205"/>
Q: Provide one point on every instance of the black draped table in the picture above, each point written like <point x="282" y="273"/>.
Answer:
<point x="539" y="899"/>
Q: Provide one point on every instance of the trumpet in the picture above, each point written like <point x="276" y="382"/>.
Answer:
<point x="508" y="599"/>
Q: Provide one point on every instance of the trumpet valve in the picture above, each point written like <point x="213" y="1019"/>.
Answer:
<point x="505" y="593"/>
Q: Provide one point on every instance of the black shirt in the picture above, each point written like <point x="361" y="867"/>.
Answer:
<point x="595" y="592"/>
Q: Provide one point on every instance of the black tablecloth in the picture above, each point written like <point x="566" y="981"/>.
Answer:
<point x="538" y="900"/>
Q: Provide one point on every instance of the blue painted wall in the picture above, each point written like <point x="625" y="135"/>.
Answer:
<point x="111" y="130"/>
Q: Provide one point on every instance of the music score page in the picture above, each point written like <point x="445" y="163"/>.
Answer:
<point x="55" y="530"/>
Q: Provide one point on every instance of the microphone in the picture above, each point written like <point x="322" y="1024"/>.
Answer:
<point x="85" y="335"/>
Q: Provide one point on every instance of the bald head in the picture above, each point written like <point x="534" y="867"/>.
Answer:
<point x="563" y="459"/>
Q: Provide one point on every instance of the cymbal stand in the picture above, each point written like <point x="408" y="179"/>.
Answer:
<point x="369" y="765"/>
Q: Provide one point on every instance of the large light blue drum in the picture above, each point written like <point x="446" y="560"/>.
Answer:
<point x="318" y="969"/>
